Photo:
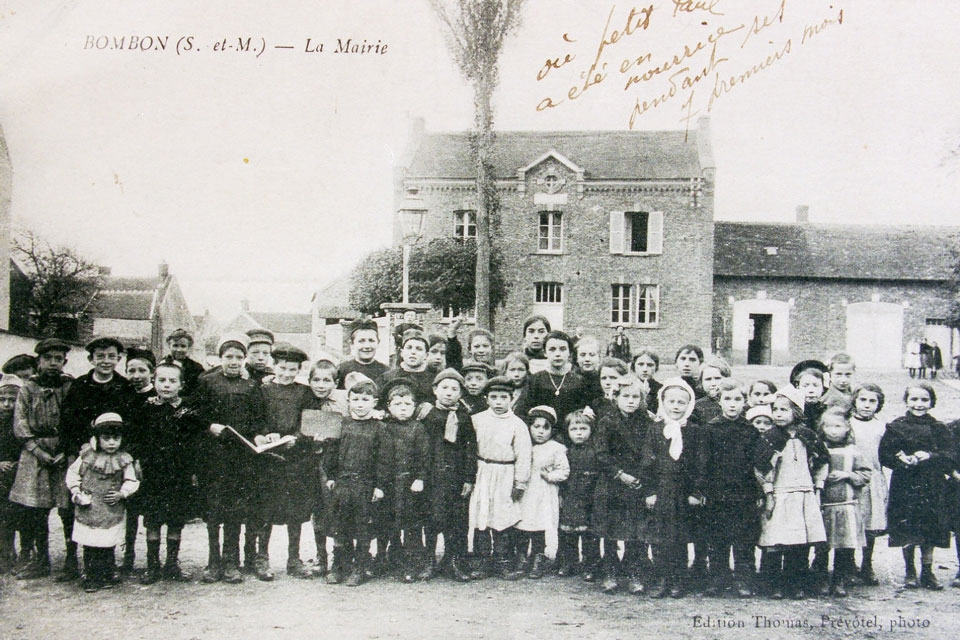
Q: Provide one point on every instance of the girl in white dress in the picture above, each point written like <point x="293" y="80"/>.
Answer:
<point x="867" y="430"/>
<point x="540" y="505"/>
<point x="503" y="472"/>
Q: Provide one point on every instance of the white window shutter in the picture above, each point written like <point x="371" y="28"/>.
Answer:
<point x="655" y="233"/>
<point x="616" y="232"/>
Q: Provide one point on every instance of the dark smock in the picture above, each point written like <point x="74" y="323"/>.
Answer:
<point x="577" y="492"/>
<point x="166" y="448"/>
<point x="290" y="478"/>
<point x="916" y="510"/>
<point x="352" y="462"/>
<point x="406" y="452"/>
<point x="230" y="471"/>
<point x="729" y="482"/>
<point x="618" y="511"/>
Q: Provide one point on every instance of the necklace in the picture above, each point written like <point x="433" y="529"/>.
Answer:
<point x="557" y="387"/>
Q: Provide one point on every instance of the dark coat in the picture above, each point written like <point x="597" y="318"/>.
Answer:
<point x="618" y="510"/>
<point x="916" y="511"/>
<point x="729" y="483"/>
<point x="577" y="492"/>
<point x="672" y="519"/>
<point x="229" y="471"/>
<point x="9" y="452"/>
<point x="290" y="480"/>
<point x="166" y="448"/>
<point x="619" y="347"/>
<point x="85" y="401"/>
<point x="353" y="462"/>
<point x="653" y="396"/>
<point x="406" y="453"/>
<point x="450" y="466"/>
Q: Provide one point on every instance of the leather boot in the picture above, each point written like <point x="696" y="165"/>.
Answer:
<point x="458" y="570"/>
<point x="71" y="567"/>
<point x="927" y="578"/>
<point x="153" y="563"/>
<point x="910" y="575"/>
<point x="171" y="568"/>
<point x="539" y="567"/>
<point x="335" y="575"/>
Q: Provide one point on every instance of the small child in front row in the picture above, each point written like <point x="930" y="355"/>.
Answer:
<point x="731" y="514"/>
<point x="406" y="453"/>
<point x="325" y="398"/>
<point x="618" y="509"/>
<point x="170" y="434"/>
<point x="867" y="401"/>
<point x="576" y="500"/>
<point x="99" y="480"/>
<point x="672" y="457"/>
<point x="540" y="504"/>
<point x="504" y="459"/>
<point x="792" y="464"/>
<point x="352" y="474"/>
<point x="840" y="505"/>
<point x="918" y="448"/>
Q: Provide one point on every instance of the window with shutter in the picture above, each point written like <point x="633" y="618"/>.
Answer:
<point x="616" y="231"/>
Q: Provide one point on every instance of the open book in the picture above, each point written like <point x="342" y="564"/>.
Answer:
<point x="258" y="448"/>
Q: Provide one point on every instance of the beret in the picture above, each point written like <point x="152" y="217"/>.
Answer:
<point x="546" y="412"/>
<point x="448" y="374"/>
<point x="288" y="352"/>
<point x="804" y="365"/>
<point x="239" y="339"/>
<point x="19" y="362"/>
<point x="104" y="342"/>
<point x="259" y="336"/>
<point x="134" y="353"/>
<point x="759" y="410"/>
<point x="51" y="344"/>
<point x="476" y="365"/>
<point x="498" y="383"/>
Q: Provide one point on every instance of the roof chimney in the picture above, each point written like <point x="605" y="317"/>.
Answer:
<point x="244" y="305"/>
<point x="163" y="269"/>
<point x="803" y="214"/>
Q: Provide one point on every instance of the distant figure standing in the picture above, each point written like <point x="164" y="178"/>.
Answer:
<point x="936" y="359"/>
<point x="911" y="359"/>
<point x="619" y="347"/>
<point x="926" y="356"/>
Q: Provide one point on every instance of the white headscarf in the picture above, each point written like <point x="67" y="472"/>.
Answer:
<point x="673" y="429"/>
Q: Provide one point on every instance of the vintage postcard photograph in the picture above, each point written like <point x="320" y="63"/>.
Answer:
<point x="479" y="319"/>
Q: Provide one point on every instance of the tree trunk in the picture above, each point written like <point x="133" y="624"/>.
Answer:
<point x="483" y="92"/>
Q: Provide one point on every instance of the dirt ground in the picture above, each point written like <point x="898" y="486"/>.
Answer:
<point x="553" y="607"/>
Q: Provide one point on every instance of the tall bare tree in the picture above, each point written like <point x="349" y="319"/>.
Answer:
<point x="475" y="31"/>
<point x="61" y="282"/>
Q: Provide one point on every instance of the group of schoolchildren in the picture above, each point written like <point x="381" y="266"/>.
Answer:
<point x="554" y="447"/>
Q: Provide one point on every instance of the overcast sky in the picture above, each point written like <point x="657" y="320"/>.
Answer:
<point x="265" y="177"/>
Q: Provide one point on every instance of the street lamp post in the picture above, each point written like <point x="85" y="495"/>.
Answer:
<point x="412" y="213"/>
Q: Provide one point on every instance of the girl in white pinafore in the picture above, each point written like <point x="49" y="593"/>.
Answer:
<point x="868" y="430"/>
<point x="503" y="471"/>
<point x="540" y="505"/>
<point x="792" y="462"/>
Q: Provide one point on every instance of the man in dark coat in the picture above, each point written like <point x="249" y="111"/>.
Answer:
<point x="180" y="343"/>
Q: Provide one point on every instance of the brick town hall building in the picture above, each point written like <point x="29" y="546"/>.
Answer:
<point x="608" y="228"/>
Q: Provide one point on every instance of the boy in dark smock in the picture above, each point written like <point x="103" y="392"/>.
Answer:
<point x="452" y="470"/>
<point x="290" y="483"/>
<point x="354" y="475"/>
<point x="230" y="483"/>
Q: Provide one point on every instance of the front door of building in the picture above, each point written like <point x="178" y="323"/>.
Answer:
<point x="758" y="346"/>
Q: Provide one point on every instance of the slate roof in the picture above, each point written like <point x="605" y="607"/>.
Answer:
<point x="333" y="301"/>
<point x="827" y="251"/>
<point x="604" y="155"/>
<point x="283" y="322"/>
<point x="127" y="298"/>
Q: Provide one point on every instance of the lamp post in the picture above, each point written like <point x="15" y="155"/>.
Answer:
<point x="412" y="213"/>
